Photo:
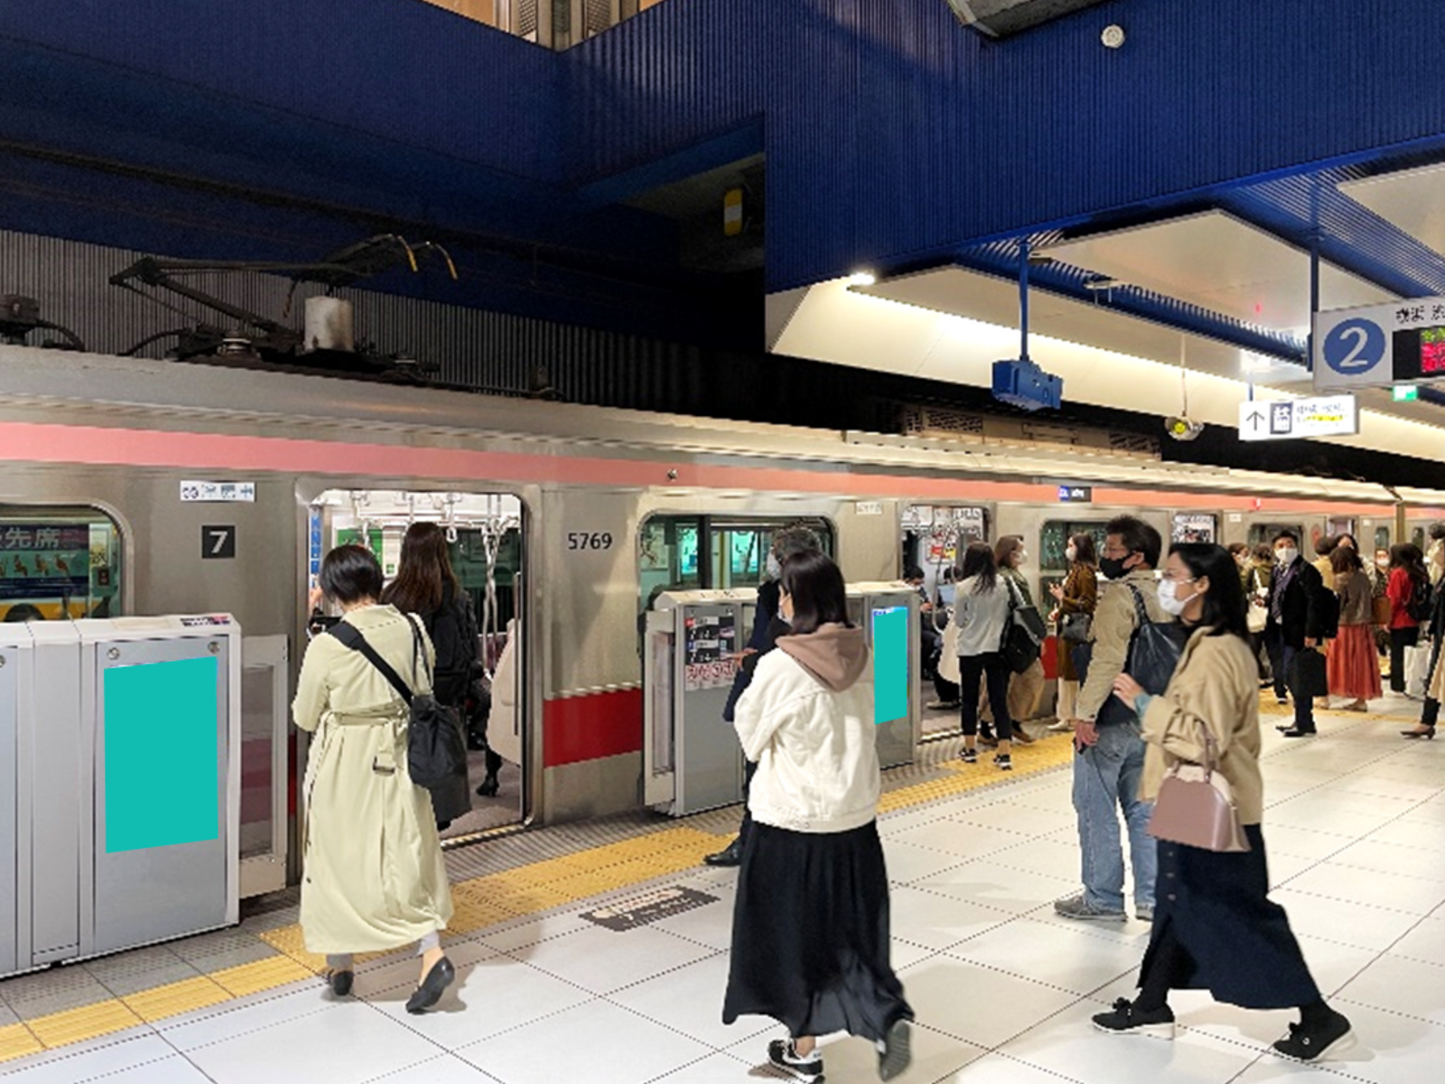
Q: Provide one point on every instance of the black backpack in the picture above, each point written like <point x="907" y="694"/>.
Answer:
<point x="1418" y="606"/>
<point x="1154" y="650"/>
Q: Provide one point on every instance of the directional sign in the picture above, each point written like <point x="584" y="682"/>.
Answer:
<point x="1290" y="419"/>
<point x="1379" y="345"/>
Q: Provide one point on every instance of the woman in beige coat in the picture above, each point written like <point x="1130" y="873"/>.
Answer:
<point x="374" y="878"/>
<point x="1215" y="928"/>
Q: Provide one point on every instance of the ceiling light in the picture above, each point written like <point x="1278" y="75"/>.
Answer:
<point x="862" y="278"/>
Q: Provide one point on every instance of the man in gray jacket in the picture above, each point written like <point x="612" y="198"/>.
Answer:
<point x="1110" y="757"/>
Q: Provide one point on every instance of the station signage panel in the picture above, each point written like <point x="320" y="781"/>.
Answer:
<point x="1380" y="345"/>
<point x="1292" y="419"/>
<point x="1076" y="494"/>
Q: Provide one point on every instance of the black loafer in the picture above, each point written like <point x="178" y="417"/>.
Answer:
<point x="340" y="982"/>
<point x="731" y="855"/>
<point x="1296" y="732"/>
<point x="432" y="987"/>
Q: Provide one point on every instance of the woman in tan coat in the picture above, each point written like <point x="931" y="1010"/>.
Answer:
<point x="1078" y="594"/>
<point x="1214" y="925"/>
<point x="374" y="879"/>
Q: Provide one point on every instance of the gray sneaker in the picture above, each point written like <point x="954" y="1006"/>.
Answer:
<point x="1081" y="908"/>
<point x="1144" y="912"/>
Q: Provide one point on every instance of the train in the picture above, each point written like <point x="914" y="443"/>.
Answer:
<point x="184" y="488"/>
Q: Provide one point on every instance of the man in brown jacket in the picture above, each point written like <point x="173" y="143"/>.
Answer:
<point x="1110" y="761"/>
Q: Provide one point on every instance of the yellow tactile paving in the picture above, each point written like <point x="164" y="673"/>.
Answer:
<point x="16" y="1041"/>
<point x="78" y="1025"/>
<point x="262" y="975"/>
<point x="176" y="998"/>
<point x="480" y="902"/>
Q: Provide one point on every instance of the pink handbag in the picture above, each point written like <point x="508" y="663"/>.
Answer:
<point x="1195" y="805"/>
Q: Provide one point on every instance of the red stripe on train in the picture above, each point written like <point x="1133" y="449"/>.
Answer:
<point x="578" y="728"/>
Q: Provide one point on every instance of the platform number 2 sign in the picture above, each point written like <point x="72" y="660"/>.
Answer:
<point x="218" y="542"/>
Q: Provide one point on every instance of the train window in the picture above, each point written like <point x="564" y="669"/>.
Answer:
<point x="1417" y="536"/>
<point x="58" y="562"/>
<point x="1194" y="527"/>
<point x="1054" y="539"/>
<point x="1341" y="525"/>
<point x="934" y="537"/>
<point x="1382" y="538"/>
<point x="684" y="553"/>
<point x="1266" y="532"/>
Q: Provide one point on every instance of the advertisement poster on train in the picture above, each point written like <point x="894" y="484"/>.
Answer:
<point x="711" y="642"/>
<point x="47" y="561"/>
<point x="1193" y="527"/>
<point x="655" y="553"/>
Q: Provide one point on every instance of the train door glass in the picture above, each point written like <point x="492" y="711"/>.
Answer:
<point x="1054" y="540"/>
<point x="484" y="533"/>
<point x="1340" y="525"/>
<point x="58" y="561"/>
<point x="935" y="536"/>
<point x="1417" y="536"/>
<point x="1267" y="532"/>
<point x="1194" y="527"/>
<point x="1382" y="538"/>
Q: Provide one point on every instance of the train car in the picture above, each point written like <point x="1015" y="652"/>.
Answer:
<point x="202" y="488"/>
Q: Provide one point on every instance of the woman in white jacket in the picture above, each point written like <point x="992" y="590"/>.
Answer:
<point x="810" y="943"/>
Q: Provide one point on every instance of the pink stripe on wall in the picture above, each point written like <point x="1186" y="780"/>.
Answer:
<point x="30" y="442"/>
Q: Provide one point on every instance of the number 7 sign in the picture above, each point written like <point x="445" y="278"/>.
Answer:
<point x="218" y="542"/>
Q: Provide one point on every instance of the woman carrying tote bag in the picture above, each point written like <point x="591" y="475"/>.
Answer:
<point x="1214" y="926"/>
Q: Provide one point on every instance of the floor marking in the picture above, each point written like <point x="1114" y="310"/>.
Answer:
<point x="17" y="1040"/>
<point x="175" y="998"/>
<point x="77" y="1025"/>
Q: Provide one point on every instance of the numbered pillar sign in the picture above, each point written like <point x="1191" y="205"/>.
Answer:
<point x="218" y="542"/>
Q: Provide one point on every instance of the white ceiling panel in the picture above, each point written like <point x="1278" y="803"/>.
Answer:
<point x="1412" y="200"/>
<point x="1220" y="263"/>
<point x="960" y="292"/>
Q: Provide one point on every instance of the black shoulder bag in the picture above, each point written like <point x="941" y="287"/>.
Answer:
<point x="1153" y="655"/>
<point x="436" y="750"/>
<point x="1023" y="632"/>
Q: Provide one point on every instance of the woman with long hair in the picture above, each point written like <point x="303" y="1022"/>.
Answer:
<point x="1078" y="594"/>
<point x="981" y="609"/>
<point x="1214" y="926"/>
<point x="1407" y="574"/>
<point x="373" y="878"/>
<point x="1352" y="666"/>
<point x="1010" y="555"/>
<point x="810" y="944"/>
<point x="425" y="585"/>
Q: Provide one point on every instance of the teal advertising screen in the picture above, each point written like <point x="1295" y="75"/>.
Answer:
<point x="890" y="664"/>
<point x="162" y="763"/>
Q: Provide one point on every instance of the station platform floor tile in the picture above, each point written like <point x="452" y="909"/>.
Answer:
<point x="1003" y="987"/>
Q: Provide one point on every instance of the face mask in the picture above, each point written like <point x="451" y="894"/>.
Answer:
<point x="1113" y="567"/>
<point x="1023" y="556"/>
<point x="1071" y="554"/>
<point x="775" y="570"/>
<point x="1286" y="556"/>
<point x="1167" y="600"/>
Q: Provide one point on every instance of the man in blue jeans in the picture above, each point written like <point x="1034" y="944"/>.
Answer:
<point x="1110" y="756"/>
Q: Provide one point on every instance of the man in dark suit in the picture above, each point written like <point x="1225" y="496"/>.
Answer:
<point x="1296" y="622"/>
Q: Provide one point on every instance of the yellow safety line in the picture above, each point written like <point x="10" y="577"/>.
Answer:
<point x="479" y="903"/>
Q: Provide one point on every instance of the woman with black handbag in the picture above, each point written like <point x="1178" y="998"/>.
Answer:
<point x="1214" y="926"/>
<point x="425" y="585"/>
<point x="1074" y="602"/>
<point x="373" y="878"/>
<point x="982" y="612"/>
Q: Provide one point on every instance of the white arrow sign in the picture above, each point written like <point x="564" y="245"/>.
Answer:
<point x="1291" y="419"/>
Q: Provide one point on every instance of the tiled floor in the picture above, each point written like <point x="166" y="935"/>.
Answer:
<point x="1003" y="988"/>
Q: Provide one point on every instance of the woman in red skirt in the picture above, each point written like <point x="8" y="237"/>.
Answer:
<point x="1353" y="665"/>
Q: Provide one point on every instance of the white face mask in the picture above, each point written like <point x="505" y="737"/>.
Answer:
<point x="1167" y="600"/>
<point x="1071" y="554"/>
<point x="1022" y="557"/>
<point x="1286" y="556"/>
<point x="775" y="570"/>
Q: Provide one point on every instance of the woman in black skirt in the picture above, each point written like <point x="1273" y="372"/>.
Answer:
<point x="1214" y="926"/>
<point x="810" y="943"/>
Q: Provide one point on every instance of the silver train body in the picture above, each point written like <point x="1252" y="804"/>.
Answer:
<point x="121" y="436"/>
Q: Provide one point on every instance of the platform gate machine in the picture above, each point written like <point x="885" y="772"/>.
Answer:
<point x="691" y="758"/>
<point x="120" y="739"/>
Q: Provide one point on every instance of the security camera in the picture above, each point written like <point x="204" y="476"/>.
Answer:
<point x="1181" y="427"/>
<point x="1113" y="36"/>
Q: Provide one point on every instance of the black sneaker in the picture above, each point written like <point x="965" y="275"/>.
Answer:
<point x="1312" y="1044"/>
<point x="783" y="1057"/>
<point x="1124" y="1019"/>
<point x="1004" y="761"/>
<point x="895" y="1052"/>
<point x="969" y="756"/>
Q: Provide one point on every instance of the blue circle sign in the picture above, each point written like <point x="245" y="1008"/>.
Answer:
<point x="1354" y="347"/>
